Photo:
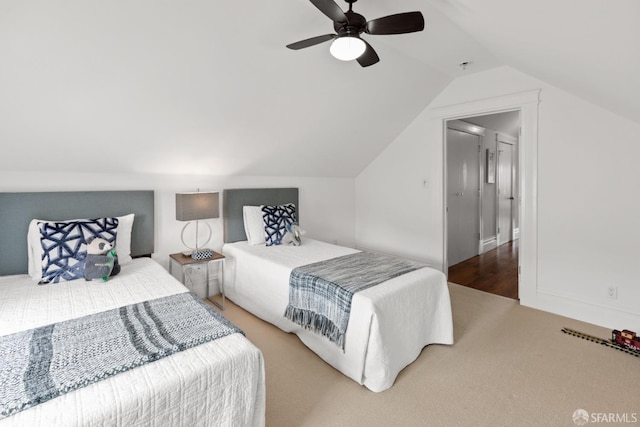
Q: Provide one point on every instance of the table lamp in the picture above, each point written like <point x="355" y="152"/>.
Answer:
<point x="195" y="207"/>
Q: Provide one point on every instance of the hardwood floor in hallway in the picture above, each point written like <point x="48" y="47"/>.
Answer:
<point x="495" y="271"/>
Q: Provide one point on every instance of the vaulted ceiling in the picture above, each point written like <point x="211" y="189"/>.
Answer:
<point x="204" y="87"/>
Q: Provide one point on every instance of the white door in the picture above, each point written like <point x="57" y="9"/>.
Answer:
<point x="463" y="196"/>
<point x="505" y="193"/>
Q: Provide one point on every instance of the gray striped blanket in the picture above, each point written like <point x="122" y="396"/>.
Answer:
<point x="40" y="364"/>
<point x="320" y="294"/>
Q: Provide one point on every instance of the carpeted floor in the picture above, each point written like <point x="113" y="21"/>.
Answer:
<point x="510" y="366"/>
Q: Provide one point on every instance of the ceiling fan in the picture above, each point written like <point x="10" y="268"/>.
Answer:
<point x="347" y="43"/>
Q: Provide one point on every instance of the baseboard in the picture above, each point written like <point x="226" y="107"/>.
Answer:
<point x="488" y="244"/>
<point x="584" y="309"/>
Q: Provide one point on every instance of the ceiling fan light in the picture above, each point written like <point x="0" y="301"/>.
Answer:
<point x="347" y="48"/>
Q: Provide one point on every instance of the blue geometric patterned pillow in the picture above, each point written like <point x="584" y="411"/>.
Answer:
<point x="64" y="246"/>
<point x="276" y="219"/>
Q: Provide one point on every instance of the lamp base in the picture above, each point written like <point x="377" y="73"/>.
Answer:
<point x="202" y="254"/>
<point x="198" y="246"/>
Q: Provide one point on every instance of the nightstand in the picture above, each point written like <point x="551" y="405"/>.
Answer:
<point x="186" y="262"/>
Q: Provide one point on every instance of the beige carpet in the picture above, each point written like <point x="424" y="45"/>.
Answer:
<point x="509" y="366"/>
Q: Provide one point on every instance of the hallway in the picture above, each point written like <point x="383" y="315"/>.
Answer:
<point x="495" y="271"/>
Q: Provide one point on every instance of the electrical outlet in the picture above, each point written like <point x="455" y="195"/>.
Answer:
<point x="612" y="292"/>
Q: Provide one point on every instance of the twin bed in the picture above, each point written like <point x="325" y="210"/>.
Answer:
<point x="389" y="324"/>
<point x="220" y="382"/>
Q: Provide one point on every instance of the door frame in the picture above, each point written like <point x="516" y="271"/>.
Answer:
<point x="527" y="104"/>
<point x="505" y="139"/>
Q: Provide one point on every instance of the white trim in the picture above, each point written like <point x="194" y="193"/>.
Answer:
<point x="499" y="104"/>
<point x="489" y="244"/>
<point x="466" y="127"/>
<point x="527" y="104"/>
<point x="507" y="139"/>
<point x="586" y="309"/>
<point x="597" y="303"/>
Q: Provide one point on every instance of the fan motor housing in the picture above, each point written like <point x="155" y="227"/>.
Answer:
<point x="356" y="23"/>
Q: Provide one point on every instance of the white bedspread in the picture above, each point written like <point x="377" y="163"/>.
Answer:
<point x="389" y="323"/>
<point x="218" y="383"/>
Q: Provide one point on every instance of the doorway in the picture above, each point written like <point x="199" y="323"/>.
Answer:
<point x="481" y="202"/>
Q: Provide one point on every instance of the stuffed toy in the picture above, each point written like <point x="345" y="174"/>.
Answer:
<point x="101" y="261"/>
<point x="293" y="236"/>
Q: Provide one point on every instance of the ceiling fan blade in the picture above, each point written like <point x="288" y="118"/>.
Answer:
<point x="331" y="9"/>
<point x="369" y="57"/>
<point x="311" y="42"/>
<point x="401" y="23"/>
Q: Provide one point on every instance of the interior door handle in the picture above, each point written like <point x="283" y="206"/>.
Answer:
<point x="511" y="198"/>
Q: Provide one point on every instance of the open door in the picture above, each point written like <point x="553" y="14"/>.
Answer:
<point x="505" y="192"/>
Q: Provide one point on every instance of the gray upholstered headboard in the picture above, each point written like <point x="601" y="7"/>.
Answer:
<point x="18" y="209"/>
<point x="234" y="199"/>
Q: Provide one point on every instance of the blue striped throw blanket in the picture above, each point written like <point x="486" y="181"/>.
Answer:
<point x="42" y="363"/>
<point x="320" y="294"/>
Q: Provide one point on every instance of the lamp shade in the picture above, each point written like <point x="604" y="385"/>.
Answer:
<point x="195" y="206"/>
<point x="347" y="48"/>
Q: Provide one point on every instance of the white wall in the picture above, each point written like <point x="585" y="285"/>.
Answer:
<point x="327" y="205"/>
<point x="399" y="196"/>
<point x="587" y="209"/>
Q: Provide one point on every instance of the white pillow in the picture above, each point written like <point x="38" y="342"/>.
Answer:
<point x="123" y="238"/>
<point x="253" y="224"/>
<point x="34" y="248"/>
